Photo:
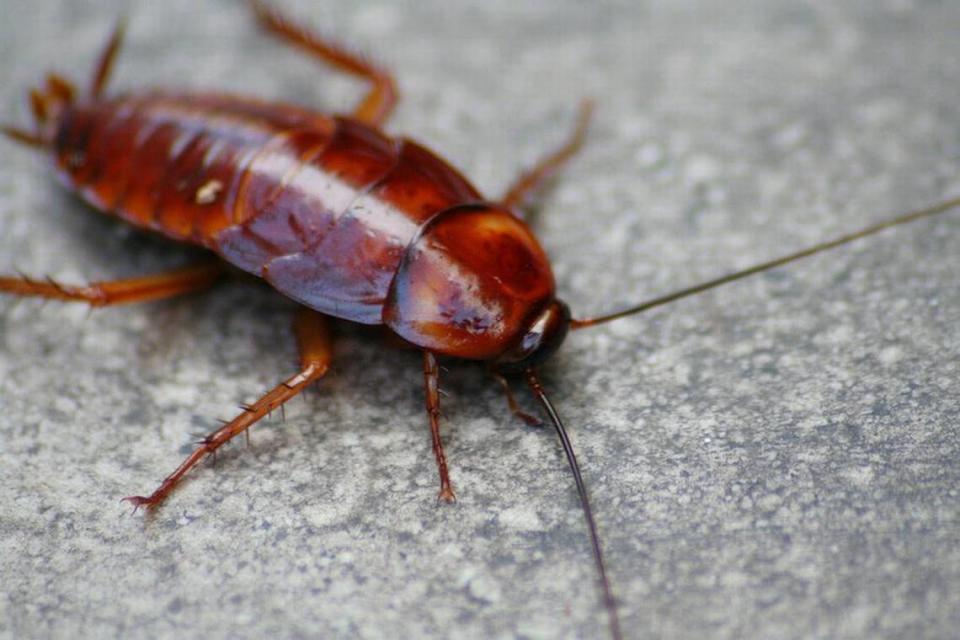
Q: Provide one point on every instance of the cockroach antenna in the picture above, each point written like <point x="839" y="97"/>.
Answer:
<point x="608" y="599"/>
<point x="927" y="212"/>
<point x="541" y="395"/>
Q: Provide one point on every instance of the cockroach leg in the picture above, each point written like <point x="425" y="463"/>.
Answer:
<point x="431" y="378"/>
<point x="101" y="294"/>
<point x="38" y="105"/>
<point x="23" y="137"/>
<point x="379" y="102"/>
<point x="314" y="341"/>
<point x="515" y="409"/>
<point x="104" y="65"/>
<point x="44" y="104"/>
<point x="60" y="88"/>
<point x="532" y="180"/>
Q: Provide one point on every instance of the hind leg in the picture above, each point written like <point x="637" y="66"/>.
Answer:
<point x="22" y="136"/>
<point x="101" y="72"/>
<point x="313" y="339"/>
<point x="379" y="102"/>
<point x="101" y="294"/>
<point x="58" y="92"/>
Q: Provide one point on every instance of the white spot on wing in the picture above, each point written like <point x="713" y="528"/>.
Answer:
<point x="208" y="193"/>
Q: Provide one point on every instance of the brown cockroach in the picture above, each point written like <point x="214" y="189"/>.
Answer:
<point x="339" y="217"/>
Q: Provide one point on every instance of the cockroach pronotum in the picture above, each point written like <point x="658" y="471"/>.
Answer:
<point x="346" y="221"/>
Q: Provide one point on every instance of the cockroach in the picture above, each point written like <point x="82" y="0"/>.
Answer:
<point x="344" y="220"/>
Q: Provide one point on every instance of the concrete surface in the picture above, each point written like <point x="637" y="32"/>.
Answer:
<point x="776" y="459"/>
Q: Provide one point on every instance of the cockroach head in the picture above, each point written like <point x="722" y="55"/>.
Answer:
<point x="543" y="336"/>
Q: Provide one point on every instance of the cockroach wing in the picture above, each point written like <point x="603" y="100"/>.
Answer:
<point x="346" y="272"/>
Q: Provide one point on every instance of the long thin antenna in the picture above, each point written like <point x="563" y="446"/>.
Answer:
<point x="764" y="266"/>
<point x="608" y="600"/>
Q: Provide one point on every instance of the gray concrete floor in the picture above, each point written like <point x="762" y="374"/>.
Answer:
<point x="775" y="459"/>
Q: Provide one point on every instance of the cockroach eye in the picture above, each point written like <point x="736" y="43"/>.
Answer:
<point x="541" y="340"/>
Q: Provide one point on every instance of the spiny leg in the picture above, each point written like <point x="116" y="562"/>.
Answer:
<point x="101" y="294"/>
<point x="105" y="63"/>
<point x="431" y="378"/>
<point x="23" y="137"/>
<point x="379" y="102"/>
<point x="531" y="181"/>
<point x="313" y="340"/>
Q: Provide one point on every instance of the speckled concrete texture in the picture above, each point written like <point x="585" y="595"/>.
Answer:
<point x="774" y="459"/>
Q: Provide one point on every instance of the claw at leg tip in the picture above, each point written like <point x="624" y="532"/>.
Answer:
<point x="138" y="502"/>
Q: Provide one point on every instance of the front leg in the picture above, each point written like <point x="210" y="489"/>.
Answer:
<point x="431" y="379"/>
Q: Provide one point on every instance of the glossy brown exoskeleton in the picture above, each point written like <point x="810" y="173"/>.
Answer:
<point x="333" y="213"/>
